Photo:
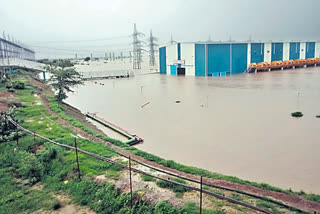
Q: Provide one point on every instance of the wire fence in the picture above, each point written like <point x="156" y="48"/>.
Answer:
<point x="131" y="169"/>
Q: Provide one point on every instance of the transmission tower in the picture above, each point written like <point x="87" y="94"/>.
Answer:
<point x="137" y="48"/>
<point x="152" y="49"/>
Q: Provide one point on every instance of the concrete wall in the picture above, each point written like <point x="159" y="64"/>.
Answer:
<point x="286" y="51"/>
<point x="187" y="54"/>
<point x="267" y="52"/>
<point x="172" y="55"/>
<point x="302" y="50"/>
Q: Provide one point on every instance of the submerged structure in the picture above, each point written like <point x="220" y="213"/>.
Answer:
<point x="226" y="58"/>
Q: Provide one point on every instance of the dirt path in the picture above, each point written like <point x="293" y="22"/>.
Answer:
<point x="4" y="100"/>
<point x="290" y="200"/>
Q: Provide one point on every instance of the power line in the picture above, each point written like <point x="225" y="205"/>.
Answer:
<point x="75" y="50"/>
<point x="89" y="40"/>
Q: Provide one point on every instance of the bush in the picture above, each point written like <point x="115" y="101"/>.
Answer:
<point x="28" y="166"/>
<point x="18" y="85"/>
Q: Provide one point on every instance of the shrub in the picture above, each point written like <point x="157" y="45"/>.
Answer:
<point x="18" y="85"/>
<point x="28" y="166"/>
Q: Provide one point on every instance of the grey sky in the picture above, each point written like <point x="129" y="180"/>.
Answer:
<point x="38" y="21"/>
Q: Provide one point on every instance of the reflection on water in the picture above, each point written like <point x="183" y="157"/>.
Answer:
<point x="239" y="125"/>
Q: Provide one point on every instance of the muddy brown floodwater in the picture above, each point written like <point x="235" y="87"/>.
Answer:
<point x="239" y="125"/>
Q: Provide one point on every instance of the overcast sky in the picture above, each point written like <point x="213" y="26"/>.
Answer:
<point x="62" y="23"/>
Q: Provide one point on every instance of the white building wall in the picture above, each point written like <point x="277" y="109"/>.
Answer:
<point x="172" y="55"/>
<point x="249" y="54"/>
<point x="267" y="52"/>
<point x="187" y="54"/>
<point x="317" y="50"/>
<point x="286" y="51"/>
<point x="302" y="50"/>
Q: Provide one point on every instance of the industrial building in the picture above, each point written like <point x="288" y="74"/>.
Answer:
<point x="225" y="58"/>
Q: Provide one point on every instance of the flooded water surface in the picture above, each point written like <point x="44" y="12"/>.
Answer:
<point x="239" y="125"/>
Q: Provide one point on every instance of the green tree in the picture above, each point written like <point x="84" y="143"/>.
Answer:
<point x="63" y="79"/>
<point x="63" y="63"/>
<point x="87" y="59"/>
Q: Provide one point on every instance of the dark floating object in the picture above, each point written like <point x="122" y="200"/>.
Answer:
<point x="178" y="101"/>
<point x="318" y="116"/>
<point x="296" y="114"/>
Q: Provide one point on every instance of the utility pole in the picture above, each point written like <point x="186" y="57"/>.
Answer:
<point x="152" y="45"/>
<point x="137" y="48"/>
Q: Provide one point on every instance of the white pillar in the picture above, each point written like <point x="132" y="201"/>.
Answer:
<point x="317" y="50"/>
<point x="249" y="54"/>
<point x="286" y="51"/>
<point x="267" y="52"/>
<point x="302" y="50"/>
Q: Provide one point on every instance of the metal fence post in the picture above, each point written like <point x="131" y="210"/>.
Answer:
<point x="34" y="137"/>
<point x="200" y="194"/>
<point x="78" y="167"/>
<point x="17" y="135"/>
<point x="130" y="181"/>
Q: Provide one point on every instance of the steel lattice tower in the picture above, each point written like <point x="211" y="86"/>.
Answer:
<point x="137" y="48"/>
<point x="152" y="49"/>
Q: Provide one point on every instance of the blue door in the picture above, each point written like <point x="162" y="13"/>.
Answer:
<point x="277" y="52"/>
<point x="310" y="49"/>
<point x="294" y="50"/>
<point x="239" y="58"/>
<point x="200" y="60"/>
<point x="162" y="60"/>
<point x="218" y="58"/>
<point x="257" y="52"/>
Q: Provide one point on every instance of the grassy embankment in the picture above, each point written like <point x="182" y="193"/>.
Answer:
<point x="29" y="162"/>
<point x="57" y="165"/>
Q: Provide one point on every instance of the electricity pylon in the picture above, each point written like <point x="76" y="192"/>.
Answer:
<point x="152" y="49"/>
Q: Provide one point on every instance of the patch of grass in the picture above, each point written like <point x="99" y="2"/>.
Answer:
<point x="112" y="174"/>
<point x="15" y="198"/>
<point x="236" y="197"/>
<point x="192" y="208"/>
<point x="173" y="187"/>
<point x="147" y="178"/>
<point x="268" y="206"/>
